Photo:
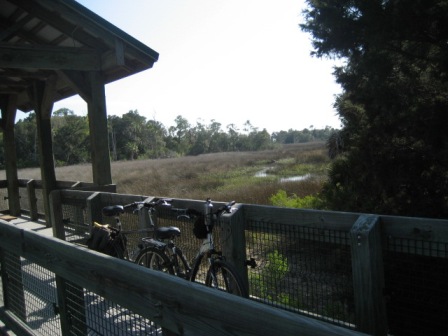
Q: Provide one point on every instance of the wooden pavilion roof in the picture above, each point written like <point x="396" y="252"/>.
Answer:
<point x="42" y="39"/>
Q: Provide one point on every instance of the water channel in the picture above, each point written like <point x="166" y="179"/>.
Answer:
<point x="263" y="173"/>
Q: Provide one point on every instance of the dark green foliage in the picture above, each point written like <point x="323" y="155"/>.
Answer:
<point x="394" y="107"/>
<point x="71" y="139"/>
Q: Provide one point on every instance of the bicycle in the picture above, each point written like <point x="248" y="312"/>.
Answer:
<point x="162" y="254"/>
<point x="113" y="240"/>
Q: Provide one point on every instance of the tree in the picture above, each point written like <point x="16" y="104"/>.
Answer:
<point x="71" y="140"/>
<point x="394" y="103"/>
<point x="26" y="142"/>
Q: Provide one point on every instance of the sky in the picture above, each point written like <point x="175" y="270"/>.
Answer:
<point x="228" y="61"/>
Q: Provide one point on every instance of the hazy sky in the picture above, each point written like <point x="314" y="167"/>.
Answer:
<point x="223" y="60"/>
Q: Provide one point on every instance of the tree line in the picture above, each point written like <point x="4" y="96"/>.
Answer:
<point x="132" y="137"/>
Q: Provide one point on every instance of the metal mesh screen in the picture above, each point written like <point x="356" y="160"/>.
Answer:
<point x="32" y="295"/>
<point x="4" y="199"/>
<point x="91" y="314"/>
<point x="417" y="286"/>
<point x="302" y="269"/>
<point x="25" y="201"/>
<point x="75" y="223"/>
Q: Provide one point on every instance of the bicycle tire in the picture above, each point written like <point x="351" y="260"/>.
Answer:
<point x="155" y="259"/>
<point x="222" y="276"/>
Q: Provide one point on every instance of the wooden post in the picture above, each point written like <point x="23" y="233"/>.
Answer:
<point x="94" y="206"/>
<point x="8" y="105"/>
<point x="42" y="94"/>
<point x="56" y="214"/>
<point x="233" y="242"/>
<point x="101" y="169"/>
<point x="368" y="275"/>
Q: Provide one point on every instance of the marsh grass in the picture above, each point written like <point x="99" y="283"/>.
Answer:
<point x="220" y="176"/>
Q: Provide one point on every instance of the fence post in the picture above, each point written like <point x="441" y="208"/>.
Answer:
<point x="94" y="206"/>
<point x="56" y="214"/>
<point x="31" y="191"/>
<point x="233" y="242"/>
<point x="368" y="275"/>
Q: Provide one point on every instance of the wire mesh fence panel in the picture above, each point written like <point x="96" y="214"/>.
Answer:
<point x="416" y="286"/>
<point x="32" y="295"/>
<point x="302" y="269"/>
<point x="4" y="199"/>
<point x="76" y="227"/>
<point x="24" y="200"/>
<point x="104" y="317"/>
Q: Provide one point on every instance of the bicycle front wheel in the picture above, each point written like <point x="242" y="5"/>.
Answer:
<point x="221" y="275"/>
<point x="154" y="259"/>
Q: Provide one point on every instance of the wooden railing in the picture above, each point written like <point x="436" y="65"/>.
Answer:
<point x="185" y="308"/>
<point x="180" y="307"/>
<point x="30" y="190"/>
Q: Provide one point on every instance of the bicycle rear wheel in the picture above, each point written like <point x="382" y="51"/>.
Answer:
<point x="221" y="275"/>
<point x="154" y="259"/>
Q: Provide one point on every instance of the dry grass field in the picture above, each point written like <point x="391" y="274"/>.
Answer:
<point x="220" y="176"/>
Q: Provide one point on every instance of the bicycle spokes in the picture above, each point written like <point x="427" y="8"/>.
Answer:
<point x="224" y="280"/>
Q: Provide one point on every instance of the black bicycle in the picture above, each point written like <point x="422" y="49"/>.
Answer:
<point x="162" y="254"/>
<point x="113" y="240"/>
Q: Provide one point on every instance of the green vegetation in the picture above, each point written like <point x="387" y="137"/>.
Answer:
<point x="392" y="152"/>
<point x="221" y="176"/>
<point x="281" y="199"/>
<point x="265" y="283"/>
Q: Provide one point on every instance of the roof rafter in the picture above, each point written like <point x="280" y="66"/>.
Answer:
<point x="47" y="57"/>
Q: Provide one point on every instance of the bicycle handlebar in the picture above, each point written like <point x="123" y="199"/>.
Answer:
<point x="150" y="205"/>
<point x="190" y="212"/>
<point x="166" y="202"/>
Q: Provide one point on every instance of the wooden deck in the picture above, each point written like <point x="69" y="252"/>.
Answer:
<point x="25" y="223"/>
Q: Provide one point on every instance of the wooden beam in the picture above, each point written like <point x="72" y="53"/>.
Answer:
<point x="79" y="82"/>
<point x="48" y="57"/>
<point x="119" y="51"/>
<point x="58" y="21"/>
<point x="42" y="96"/>
<point x="8" y="105"/>
<point x="14" y="28"/>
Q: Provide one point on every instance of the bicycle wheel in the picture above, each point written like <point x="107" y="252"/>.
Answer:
<point x="154" y="259"/>
<point x="221" y="275"/>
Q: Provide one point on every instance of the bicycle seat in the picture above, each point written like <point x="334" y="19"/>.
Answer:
<point x="167" y="232"/>
<point x="113" y="210"/>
